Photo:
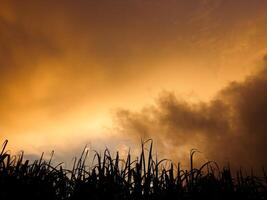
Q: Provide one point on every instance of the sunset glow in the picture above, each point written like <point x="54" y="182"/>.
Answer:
<point x="80" y="72"/>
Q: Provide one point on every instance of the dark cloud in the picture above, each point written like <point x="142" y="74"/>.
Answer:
<point x="231" y="127"/>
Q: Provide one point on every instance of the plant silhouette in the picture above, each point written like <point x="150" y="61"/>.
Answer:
<point x="113" y="178"/>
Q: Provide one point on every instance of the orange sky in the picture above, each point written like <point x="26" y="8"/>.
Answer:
<point x="67" y="66"/>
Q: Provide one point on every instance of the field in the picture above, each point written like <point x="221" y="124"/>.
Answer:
<point x="113" y="178"/>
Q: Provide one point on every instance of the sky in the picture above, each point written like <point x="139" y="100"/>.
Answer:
<point x="186" y="73"/>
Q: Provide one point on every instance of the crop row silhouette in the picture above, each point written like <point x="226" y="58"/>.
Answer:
<point x="112" y="178"/>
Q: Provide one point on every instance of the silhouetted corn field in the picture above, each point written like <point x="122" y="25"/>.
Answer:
<point x="133" y="179"/>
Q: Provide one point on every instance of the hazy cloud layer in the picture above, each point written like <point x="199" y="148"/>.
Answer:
<point x="231" y="127"/>
<point x="65" y="64"/>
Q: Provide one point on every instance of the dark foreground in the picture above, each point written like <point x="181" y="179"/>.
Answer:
<point x="112" y="178"/>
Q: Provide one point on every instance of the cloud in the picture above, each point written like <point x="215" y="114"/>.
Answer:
<point x="63" y="64"/>
<point x="231" y="127"/>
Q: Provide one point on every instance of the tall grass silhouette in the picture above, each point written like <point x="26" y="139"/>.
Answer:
<point x="113" y="178"/>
